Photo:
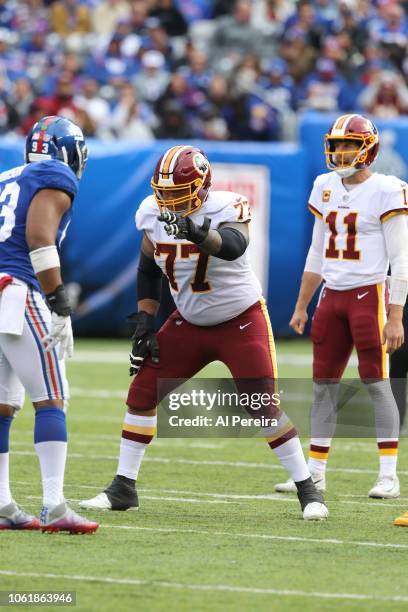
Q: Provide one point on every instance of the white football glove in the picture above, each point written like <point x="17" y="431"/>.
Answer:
<point x="60" y="332"/>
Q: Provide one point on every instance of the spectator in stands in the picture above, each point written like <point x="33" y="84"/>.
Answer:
<point x="28" y="17"/>
<point x="69" y="16"/>
<point x="22" y="96"/>
<point x="325" y="89"/>
<point x="65" y="63"/>
<point x="96" y="108"/>
<point x="111" y="65"/>
<point x="171" y="19"/>
<point x="269" y="16"/>
<point x="278" y="86"/>
<point x="63" y="98"/>
<point x="235" y="37"/>
<point x="220" y="102"/>
<point x="305" y="22"/>
<point x="156" y="38"/>
<point x="195" y="10"/>
<point x="7" y="14"/>
<point x="173" y="124"/>
<point x="107" y="14"/>
<point x="197" y="73"/>
<point x="392" y="32"/>
<point x="151" y="82"/>
<point x="189" y="98"/>
<point x="127" y="118"/>
<point x="386" y="96"/>
<point x="299" y="56"/>
<point x="139" y="10"/>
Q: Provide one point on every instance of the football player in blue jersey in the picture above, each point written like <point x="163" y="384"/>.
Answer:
<point x="35" y="325"/>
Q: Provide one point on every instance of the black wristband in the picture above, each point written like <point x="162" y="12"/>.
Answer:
<point x="58" y="302"/>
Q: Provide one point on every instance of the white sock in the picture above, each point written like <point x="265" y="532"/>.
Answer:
<point x="52" y="457"/>
<point x="137" y="433"/>
<point x="291" y="456"/>
<point x="318" y="454"/>
<point x="388" y="451"/>
<point x="5" y="494"/>
<point x="285" y="443"/>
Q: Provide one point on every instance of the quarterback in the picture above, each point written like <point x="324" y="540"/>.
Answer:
<point x="198" y="238"/>
<point x="359" y="230"/>
<point x="35" y="325"/>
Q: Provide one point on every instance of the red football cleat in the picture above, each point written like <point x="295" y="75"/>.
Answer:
<point x="63" y="518"/>
<point x="14" y="517"/>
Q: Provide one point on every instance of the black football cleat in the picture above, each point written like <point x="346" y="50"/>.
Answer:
<point x="311" y="501"/>
<point x="120" y="495"/>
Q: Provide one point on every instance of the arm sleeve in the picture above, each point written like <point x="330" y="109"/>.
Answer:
<point x="396" y="241"/>
<point x="234" y="244"/>
<point x="314" y="259"/>
<point x="148" y="280"/>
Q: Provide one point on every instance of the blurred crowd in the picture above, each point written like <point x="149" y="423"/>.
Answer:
<point x="212" y="69"/>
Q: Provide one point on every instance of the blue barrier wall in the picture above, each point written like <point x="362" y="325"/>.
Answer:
<point x="100" y="252"/>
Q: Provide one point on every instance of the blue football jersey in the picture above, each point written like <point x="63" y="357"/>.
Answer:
<point x="18" y="187"/>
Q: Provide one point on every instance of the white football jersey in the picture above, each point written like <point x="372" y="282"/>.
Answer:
<point x="207" y="290"/>
<point x="354" y="252"/>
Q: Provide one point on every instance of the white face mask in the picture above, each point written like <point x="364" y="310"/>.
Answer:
<point x="346" y="172"/>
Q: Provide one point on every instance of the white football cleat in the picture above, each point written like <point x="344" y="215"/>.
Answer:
<point x="386" y="487"/>
<point x="315" y="511"/>
<point x="99" y="502"/>
<point x="319" y="479"/>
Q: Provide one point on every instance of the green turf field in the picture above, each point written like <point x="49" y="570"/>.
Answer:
<point x="210" y="534"/>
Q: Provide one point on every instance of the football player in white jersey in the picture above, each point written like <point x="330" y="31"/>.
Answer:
<point x="360" y="229"/>
<point x="199" y="240"/>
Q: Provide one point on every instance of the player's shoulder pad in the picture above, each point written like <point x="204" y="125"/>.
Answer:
<point x="389" y="184"/>
<point x="146" y="214"/>
<point x="228" y="206"/>
<point x="50" y="174"/>
<point x="322" y="179"/>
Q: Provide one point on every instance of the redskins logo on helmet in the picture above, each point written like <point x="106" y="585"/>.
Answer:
<point x="360" y="131"/>
<point x="182" y="179"/>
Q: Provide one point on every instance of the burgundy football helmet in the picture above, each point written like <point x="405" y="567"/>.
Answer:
<point x="359" y="130"/>
<point x="182" y="179"/>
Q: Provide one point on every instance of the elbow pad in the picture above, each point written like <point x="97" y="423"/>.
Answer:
<point x="234" y="244"/>
<point x="148" y="282"/>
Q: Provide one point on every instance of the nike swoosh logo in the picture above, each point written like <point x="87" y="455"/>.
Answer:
<point x="361" y="295"/>
<point x="246" y="325"/>
<point x="179" y="322"/>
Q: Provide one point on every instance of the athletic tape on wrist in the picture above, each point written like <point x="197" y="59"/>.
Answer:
<point x="398" y="291"/>
<point x="45" y="258"/>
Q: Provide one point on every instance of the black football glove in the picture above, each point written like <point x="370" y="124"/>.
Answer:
<point x="184" y="227"/>
<point x="145" y="343"/>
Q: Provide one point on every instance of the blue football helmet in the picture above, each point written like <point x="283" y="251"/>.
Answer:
<point x="55" y="137"/>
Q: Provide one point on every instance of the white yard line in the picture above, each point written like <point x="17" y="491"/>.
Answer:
<point x="183" y="500"/>
<point x="236" y="464"/>
<point x="226" y="588"/>
<point x="89" y="356"/>
<point x="369" y="446"/>
<point x="231" y="498"/>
